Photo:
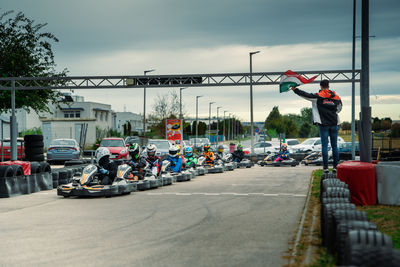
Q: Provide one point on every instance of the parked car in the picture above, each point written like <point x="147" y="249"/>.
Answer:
<point x="162" y="147"/>
<point x="292" y="142"/>
<point x="63" y="150"/>
<point x="132" y="139"/>
<point x="116" y="146"/>
<point x="311" y="144"/>
<point x="346" y="147"/>
<point x="5" y="149"/>
<point x="259" y="148"/>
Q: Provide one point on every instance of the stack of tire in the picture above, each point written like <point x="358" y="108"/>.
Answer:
<point x="347" y="233"/>
<point x="34" y="147"/>
<point x="13" y="182"/>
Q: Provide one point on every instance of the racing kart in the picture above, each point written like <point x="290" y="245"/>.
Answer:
<point x="226" y="161"/>
<point x="87" y="184"/>
<point x="217" y="167"/>
<point x="315" y="158"/>
<point x="270" y="161"/>
<point x="175" y="176"/>
<point x="245" y="163"/>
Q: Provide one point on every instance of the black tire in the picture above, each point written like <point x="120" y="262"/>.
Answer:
<point x="18" y="170"/>
<point x="70" y="173"/>
<point x="333" y="183"/>
<point x="341" y="216"/>
<point x="45" y="166"/>
<point x="37" y="157"/>
<point x="62" y="176"/>
<point x="6" y="171"/>
<point x="368" y="248"/>
<point x="73" y="162"/>
<point x="35" y="167"/>
<point x="338" y="192"/>
<point x="33" y="138"/>
<point x="33" y="150"/>
<point x="333" y="200"/>
<point x="342" y="230"/>
<point x="55" y="183"/>
<point x="55" y="176"/>
<point x="327" y="219"/>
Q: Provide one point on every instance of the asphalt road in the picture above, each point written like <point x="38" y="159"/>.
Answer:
<point x="240" y="218"/>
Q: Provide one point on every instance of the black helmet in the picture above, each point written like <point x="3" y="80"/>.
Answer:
<point x="206" y="147"/>
<point x="134" y="150"/>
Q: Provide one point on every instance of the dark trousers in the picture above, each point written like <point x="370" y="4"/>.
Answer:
<point x="332" y="133"/>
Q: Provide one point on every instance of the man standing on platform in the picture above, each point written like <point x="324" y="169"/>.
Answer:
<point x="326" y="105"/>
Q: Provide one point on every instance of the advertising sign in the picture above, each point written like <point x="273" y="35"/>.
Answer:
<point x="174" y="130"/>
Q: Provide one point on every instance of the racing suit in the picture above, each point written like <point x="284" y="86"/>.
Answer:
<point x="107" y="171"/>
<point x="176" y="163"/>
<point x="137" y="165"/>
<point x="238" y="155"/>
<point x="191" y="161"/>
<point x="155" y="164"/>
<point x="282" y="155"/>
<point x="209" y="157"/>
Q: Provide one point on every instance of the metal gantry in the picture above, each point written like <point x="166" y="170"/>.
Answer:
<point x="177" y="80"/>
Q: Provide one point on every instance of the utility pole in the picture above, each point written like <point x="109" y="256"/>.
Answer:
<point x="218" y="124"/>
<point x="251" y="101"/>
<point x="144" y="103"/>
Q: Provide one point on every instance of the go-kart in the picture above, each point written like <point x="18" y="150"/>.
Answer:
<point x="226" y="161"/>
<point x="87" y="184"/>
<point x="270" y="161"/>
<point x="175" y="176"/>
<point x="244" y="163"/>
<point x="315" y="158"/>
<point x="215" y="167"/>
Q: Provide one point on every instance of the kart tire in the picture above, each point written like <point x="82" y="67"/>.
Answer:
<point x="368" y="248"/>
<point x="6" y="171"/>
<point x="36" y="167"/>
<point x="35" y="157"/>
<point x="54" y="176"/>
<point x="17" y="170"/>
<point x="342" y="231"/>
<point x="143" y="185"/>
<point x="341" y="216"/>
<point x="180" y="178"/>
<point x="62" y="177"/>
<point x="154" y="183"/>
<point x="327" y="219"/>
<point x="33" y="138"/>
<point x="34" y="150"/>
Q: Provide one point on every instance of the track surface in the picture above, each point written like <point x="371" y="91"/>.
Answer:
<point x="240" y="218"/>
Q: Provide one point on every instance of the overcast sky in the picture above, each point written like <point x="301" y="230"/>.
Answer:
<point x="184" y="36"/>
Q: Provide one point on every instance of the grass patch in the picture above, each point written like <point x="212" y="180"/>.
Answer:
<point x="387" y="218"/>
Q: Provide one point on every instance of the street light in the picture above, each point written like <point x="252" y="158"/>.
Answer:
<point x="218" y="124"/>
<point x="224" y="123"/>
<point x="251" y="101"/>
<point x="231" y="126"/>
<point x="209" y="119"/>
<point x="180" y="102"/>
<point x="197" y="118"/>
<point x="144" y="103"/>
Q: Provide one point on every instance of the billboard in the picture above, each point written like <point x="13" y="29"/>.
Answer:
<point x="173" y="128"/>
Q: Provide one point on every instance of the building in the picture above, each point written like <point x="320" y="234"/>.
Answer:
<point x="4" y="127"/>
<point x="135" y="120"/>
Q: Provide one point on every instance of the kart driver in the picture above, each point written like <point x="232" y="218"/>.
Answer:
<point x="190" y="158"/>
<point x="137" y="162"/>
<point x="220" y="152"/>
<point x="107" y="168"/>
<point x="209" y="156"/>
<point x="152" y="160"/>
<point x="238" y="154"/>
<point x="175" y="159"/>
<point x="283" y="154"/>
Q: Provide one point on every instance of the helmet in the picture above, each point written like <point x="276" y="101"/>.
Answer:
<point x="151" y="150"/>
<point x="188" y="151"/>
<point x="239" y="147"/>
<point x="284" y="146"/>
<point x="102" y="152"/>
<point x="179" y="149"/>
<point x="220" y="148"/>
<point x="134" y="150"/>
<point x="206" y="147"/>
<point x="173" y="151"/>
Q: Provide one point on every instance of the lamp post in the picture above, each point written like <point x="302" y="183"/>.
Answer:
<point x="231" y="126"/>
<point x="197" y="118"/>
<point x="224" y="122"/>
<point x="251" y="101"/>
<point x="180" y="102"/>
<point x="218" y="124"/>
<point x="144" y="103"/>
<point x="209" y="119"/>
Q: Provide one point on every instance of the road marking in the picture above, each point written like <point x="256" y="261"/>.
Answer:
<point x="226" y="194"/>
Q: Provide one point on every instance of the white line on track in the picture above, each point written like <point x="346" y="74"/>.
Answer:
<point x="226" y="194"/>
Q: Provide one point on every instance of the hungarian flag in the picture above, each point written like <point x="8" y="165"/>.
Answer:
<point x="291" y="79"/>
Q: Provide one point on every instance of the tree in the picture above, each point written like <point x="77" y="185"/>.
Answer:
<point x="202" y="128"/>
<point x="395" y="130"/>
<point x="26" y="51"/>
<point x="305" y="130"/>
<point x="165" y="107"/>
<point x="274" y="120"/>
<point x="291" y="130"/>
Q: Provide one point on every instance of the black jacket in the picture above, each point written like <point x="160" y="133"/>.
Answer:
<point x="238" y="154"/>
<point x="326" y="105"/>
<point x="111" y="167"/>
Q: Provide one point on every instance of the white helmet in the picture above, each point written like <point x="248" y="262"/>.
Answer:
<point x="151" y="150"/>
<point x="173" y="151"/>
<point x="102" y="152"/>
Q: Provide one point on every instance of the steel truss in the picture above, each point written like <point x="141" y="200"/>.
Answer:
<point x="187" y="80"/>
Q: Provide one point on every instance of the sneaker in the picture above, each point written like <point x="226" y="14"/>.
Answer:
<point x="326" y="170"/>
<point x="334" y="170"/>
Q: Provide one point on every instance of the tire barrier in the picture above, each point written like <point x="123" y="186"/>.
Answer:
<point x="6" y="171"/>
<point x="55" y="176"/>
<point x="369" y="248"/>
<point x="342" y="230"/>
<point x="45" y="166"/>
<point x="18" y="170"/>
<point x="73" y="163"/>
<point x="34" y="147"/>
<point x="35" y="167"/>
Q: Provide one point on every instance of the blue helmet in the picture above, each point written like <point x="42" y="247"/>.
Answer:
<point x="188" y="150"/>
